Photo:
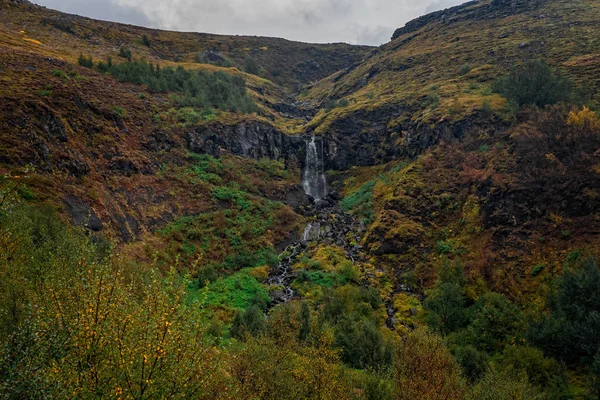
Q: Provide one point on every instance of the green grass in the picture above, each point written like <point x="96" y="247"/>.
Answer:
<point x="235" y="292"/>
<point x="361" y="202"/>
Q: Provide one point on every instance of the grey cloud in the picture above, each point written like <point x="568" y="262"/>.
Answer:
<point x="442" y="4"/>
<point x="352" y="21"/>
<point x="105" y="10"/>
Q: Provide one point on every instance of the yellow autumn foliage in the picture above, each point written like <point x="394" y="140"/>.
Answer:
<point x="584" y="119"/>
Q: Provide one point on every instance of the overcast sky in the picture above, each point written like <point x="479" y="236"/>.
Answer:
<point x="351" y="21"/>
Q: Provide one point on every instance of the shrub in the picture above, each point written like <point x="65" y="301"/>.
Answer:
<point x="251" y="66"/>
<point x="504" y="385"/>
<point x="362" y="344"/>
<point x="541" y="371"/>
<point x="570" y="331"/>
<point x="474" y="363"/>
<point x="424" y="369"/>
<point x="60" y="74"/>
<point x="233" y="195"/>
<point x="465" y="69"/>
<point x="125" y="52"/>
<point x="496" y="322"/>
<point x="538" y="269"/>
<point x="146" y="41"/>
<point x="446" y="307"/>
<point x="84" y="61"/>
<point x="194" y="88"/>
<point x="119" y="111"/>
<point x="432" y="100"/>
<point x="250" y="322"/>
<point x="534" y="83"/>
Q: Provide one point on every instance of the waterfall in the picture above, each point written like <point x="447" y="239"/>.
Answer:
<point x="313" y="178"/>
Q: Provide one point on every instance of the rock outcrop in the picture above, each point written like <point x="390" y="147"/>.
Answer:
<point x="252" y="140"/>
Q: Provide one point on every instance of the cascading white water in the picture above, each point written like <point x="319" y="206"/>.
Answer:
<point x="313" y="178"/>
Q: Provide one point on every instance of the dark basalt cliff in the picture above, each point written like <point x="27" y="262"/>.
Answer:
<point x="251" y="140"/>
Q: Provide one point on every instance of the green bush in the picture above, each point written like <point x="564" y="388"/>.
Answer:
<point x="538" y="269"/>
<point x="192" y="88"/>
<point x="251" y="66"/>
<point x="234" y="195"/>
<point x="570" y="331"/>
<point x="465" y="69"/>
<point x="61" y="74"/>
<point x="248" y="322"/>
<point x="446" y="308"/>
<point x="84" y="61"/>
<point x="331" y="104"/>
<point x="496" y="322"/>
<point x="146" y="41"/>
<point x="124" y="52"/>
<point x="238" y="291"/>
<point x="362" y="344"/>
<point x="474" y="363"/>
<point x="535" y="84"/>
<point x="432" y="100"/>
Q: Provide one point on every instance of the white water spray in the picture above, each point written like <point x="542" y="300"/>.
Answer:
<point x="313" y="178"/>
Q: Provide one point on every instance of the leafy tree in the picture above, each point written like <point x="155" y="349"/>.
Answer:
<point x="571" y="329"/>
<point x="249" y="322"/>
<point x="534" y="83"/>
<point x="424" y="369"/>
<point x="496" y="322"/>
<point x="362" y="344"/>
<point x="504" y="385"/>
<point x="446" y="303"/>
<point x="446" y="308"/>
<point x="474" y="363"/>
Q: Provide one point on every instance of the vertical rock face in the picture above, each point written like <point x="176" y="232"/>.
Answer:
<point x="252" y="140"/>
<point x="313" y="177"/>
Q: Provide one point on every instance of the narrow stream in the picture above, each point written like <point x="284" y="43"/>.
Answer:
<point x="331" y="225"/>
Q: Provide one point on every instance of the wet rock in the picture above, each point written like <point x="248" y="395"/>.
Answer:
<point x="123" y="166"/>
<point x="75" y="164"/>
<point x="53" y="126"/>
<point x="251" y="140"/>
<point x="82" y="214"/>
<point x="213" y="57"/>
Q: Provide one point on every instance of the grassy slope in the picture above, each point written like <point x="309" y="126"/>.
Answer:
<point x="283" y="60"/>
<point x="111" y="145"/>
<point x="483" y="39"/>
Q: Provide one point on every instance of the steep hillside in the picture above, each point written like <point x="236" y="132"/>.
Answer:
<point x="99" y="146"/>
<point x="289" y="64"/>
<point x="446" y="251"/>
<point x="435" y="77"/>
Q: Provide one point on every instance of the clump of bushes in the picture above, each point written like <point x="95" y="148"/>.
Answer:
<point x="194" y="88"/>
<point x="534" y="84"/>
<point x="146" y="41"/>
<point x="331" y="104"/>
<point x="85" y="61"/>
